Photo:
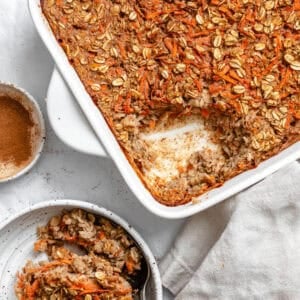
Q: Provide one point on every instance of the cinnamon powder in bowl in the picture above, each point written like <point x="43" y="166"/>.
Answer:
<point x="21" y="132"/>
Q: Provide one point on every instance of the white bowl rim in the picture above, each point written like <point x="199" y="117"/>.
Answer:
<point x="94" y="208"/>
<point x="41" y="124"/>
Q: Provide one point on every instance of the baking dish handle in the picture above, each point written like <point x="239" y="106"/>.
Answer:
<point x="67" y="119"/>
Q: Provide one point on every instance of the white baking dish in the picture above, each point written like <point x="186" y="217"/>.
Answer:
<point x="112" y="147"/>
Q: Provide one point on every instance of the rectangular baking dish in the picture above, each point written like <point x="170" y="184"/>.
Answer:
<point x="112" y="147"/>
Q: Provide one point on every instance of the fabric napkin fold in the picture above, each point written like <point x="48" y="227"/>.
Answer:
<point x="247" y="247"/>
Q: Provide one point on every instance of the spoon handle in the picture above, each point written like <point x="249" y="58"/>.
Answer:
<point x="143" y="290"/>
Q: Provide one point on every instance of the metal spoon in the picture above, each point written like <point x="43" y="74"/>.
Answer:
<point x="141" y="279"/>
<point x="144" y="288"/>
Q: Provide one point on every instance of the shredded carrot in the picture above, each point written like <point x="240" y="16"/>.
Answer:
<point x="152" y="124"/>
<point x="228" y="95"/>
<point x="172" y="10"/>
<point x="98" y="291"/>
<point x="288" y="120"/>
<point x="21" y="279"/>
<point x="200" y="33"/>
<point x="101" y="235"/>
<point x="269" y="68"/>
<point x="297" y="115"/>
<point x="296" y="5"/>
<point x="205" y="113"/>
<point x="64" y="20"/>
<point x="249" y="16"/>
<point x="234" y="75"/>
<point x="144" y="85"/>
<point x="122" y="292"/>
<point x="285" y="78"/>
<point x="242" y="165"/>
<point x="235" y="104"/>
<point x="203" y="41"/>
<point x="278" y="45"/>
<point x="119" y="71"/>
<point x="245" y="43"/>
<point x="38" y="245"/>
<point x="31" y="289"/>
<point x="171" y="46"/>
<point x="127" y="104"/>
<point x="168" y="44"/>
<point x="181" y="169"/>
<point x="226" y="69"/>
<point x="226" y="11"/>
<point x="152" y="15"/>
<point x="204" y="4"/>
<point x="118" y="104"/>
<point x="59" y="2"/>
<point x="174" y="50"/>
<point x="88" y="285"/>
<point x="226" y="78"/>
<point x="122" y="49"/>
<point x="129" y="266"/>
<point x="50" y="265"/>
<point x="277" y="55"/>
<point x="189" y="22"/>
<point x="198" y="84"/>
<point x="104" y="87"/>
<point x="215" y="88"/>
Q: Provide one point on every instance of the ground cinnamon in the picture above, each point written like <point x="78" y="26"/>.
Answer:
<point x="15" y="133"/>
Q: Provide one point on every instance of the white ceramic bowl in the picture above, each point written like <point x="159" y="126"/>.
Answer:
<point x="111" y="146"/>
<point x="39" y="135"/>
<point x="18" y="234"/>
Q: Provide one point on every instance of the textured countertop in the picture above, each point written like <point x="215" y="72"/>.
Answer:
<point x="62" y="172"/>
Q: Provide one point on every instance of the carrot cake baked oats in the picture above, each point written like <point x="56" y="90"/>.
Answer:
<point x="229" y="69"/>
<point x="104" y="271"/>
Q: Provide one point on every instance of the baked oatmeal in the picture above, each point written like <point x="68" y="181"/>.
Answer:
<point x="104" y="270"/>
<point x="233" y="65"/>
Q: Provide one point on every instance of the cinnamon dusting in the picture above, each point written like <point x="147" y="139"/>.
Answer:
<point x="15" y="135"/>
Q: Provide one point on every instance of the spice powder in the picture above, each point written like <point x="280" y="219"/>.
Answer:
<point x="15" y="136"/>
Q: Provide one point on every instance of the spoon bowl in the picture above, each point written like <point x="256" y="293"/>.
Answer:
<point x="141" y="280"/>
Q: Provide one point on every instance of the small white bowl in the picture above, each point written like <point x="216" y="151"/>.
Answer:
<point x="32" y="106"/>
<point x="18" y="234"/>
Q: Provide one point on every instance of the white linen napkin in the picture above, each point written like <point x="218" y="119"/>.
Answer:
<point x="247" y="247"/>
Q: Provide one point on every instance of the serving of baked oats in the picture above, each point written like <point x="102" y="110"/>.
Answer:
<point x="230" y="67"/>
<point x="105" y="267"/>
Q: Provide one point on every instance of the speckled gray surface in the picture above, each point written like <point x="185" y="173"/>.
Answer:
<point x="62" y="172"/>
